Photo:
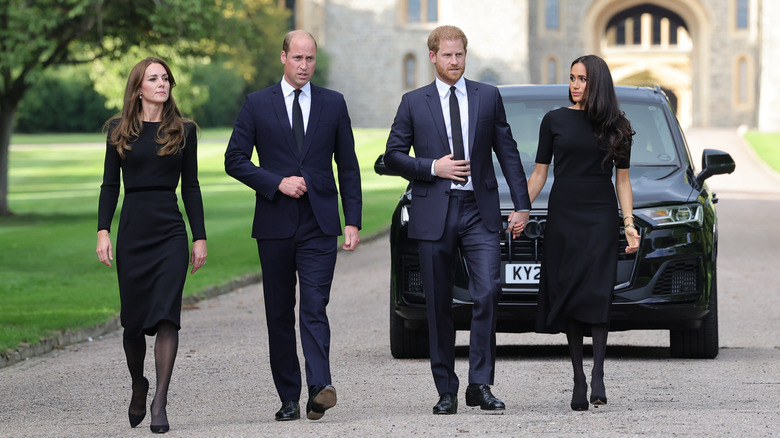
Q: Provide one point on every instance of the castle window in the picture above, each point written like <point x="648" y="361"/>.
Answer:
<point x="742" y="14"/>
<point x="552" y="15"/>
<point x="422" y="11"/>
<point x="743" y="92"/>
<point x="410" y="68"/>
<point x="552" y="71"/>
<point x="742" y="75"/>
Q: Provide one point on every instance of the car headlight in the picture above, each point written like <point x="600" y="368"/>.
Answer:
<point x="675" y="215"/>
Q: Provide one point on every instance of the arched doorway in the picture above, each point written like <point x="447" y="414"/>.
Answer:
<point x="654" y="42"/>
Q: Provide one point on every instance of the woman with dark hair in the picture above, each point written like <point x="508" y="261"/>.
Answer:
<point x="153" y="146"/>
<point x="579" y="262"/>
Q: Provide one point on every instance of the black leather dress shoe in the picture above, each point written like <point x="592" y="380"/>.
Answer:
<point x="447" y="405"/>
<point x="289" y="411"/>
<point x="321" y="398"/>
<point x="480" y="395"/>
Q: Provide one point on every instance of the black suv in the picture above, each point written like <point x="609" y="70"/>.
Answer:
<point x="669" y="284"/>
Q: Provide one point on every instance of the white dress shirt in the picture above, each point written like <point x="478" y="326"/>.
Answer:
<point x="288" y="91"/>
<point x="463" y="104"/>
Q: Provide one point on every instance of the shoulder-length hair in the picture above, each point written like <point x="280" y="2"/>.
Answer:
<point x="612" y="128"/>
<point x="125" y="127"/>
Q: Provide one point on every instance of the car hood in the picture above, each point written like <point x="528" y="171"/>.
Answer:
<point x="651" y="186"/>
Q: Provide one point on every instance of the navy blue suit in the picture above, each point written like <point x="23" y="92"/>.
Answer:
<point x="297" y="234"/>
<point x="445" y="222"/>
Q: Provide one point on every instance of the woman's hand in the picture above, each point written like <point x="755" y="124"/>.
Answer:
<point x="198" y="256"/>
<point x="632" y="237"/>
<point x="104" y="250"/>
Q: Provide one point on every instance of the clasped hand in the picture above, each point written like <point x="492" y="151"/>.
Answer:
<point x="293" y="186"/>
<point x="456" y="170"/>
<point x="516" y="222"/>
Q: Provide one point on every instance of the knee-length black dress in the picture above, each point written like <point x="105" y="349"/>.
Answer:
<point x="152" y="252"/>
<point x="579" y="259"/>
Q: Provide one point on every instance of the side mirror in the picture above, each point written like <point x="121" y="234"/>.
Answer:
<point x="714" y="162"/>
<point x="379" y="167"/>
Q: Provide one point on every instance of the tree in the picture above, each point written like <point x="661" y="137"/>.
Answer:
<point x="36" y="36"/>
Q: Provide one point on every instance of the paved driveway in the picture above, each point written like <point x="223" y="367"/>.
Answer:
<point x="222" y="384"/>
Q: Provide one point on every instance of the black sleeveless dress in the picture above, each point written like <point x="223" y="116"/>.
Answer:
<point x="579" y="261"/>
<point x="152" y="252"/>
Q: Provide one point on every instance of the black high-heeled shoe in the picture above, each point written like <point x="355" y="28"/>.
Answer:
<point x="598" y="400"/>
<point x="136" y="419"/>
<point x="579" y="401"/>
<point x="159" y="428"/>
<point x="579" y="406"/>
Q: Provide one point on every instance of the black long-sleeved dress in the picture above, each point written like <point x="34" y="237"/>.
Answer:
<point x="152" y="252"/>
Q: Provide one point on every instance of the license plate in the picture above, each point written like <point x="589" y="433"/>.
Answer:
<point x="522" y="273"/>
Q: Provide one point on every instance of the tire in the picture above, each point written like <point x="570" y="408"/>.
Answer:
<point x="703" y="342"/>
<point x="407" y="343"/>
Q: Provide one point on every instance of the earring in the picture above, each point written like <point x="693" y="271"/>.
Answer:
<point x="140" y="96"/>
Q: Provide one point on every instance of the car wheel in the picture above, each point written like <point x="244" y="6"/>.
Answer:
<point x="407" y="343"/>
<point x="703" y="342"/>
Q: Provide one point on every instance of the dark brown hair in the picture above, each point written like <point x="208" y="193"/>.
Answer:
<point x="610" y="125"/>
<point x="124" y="128"/>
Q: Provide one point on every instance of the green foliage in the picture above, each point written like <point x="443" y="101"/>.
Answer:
<point x="226" y="91"/>
<point x="62" y="101"/>
<point x="249" y="40"/>
<point x="50" y="279"/>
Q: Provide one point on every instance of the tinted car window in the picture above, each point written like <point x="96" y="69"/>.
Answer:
<point x="653" y="142"/>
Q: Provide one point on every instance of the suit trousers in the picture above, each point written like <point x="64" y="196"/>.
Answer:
<point x="312" y="255"/>
<point x="464" y="231"/>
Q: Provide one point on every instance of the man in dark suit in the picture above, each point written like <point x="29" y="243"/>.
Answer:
<point x="298" y="129"/>
<point x="453" y="125"/>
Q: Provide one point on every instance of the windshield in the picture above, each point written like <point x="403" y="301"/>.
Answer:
<point x="653" y="142"/>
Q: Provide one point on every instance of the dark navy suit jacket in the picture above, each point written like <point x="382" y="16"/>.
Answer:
<point x="263" y="125"/>
<point x="419" y="123"/>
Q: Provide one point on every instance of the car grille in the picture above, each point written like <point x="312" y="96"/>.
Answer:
<point x="413" y="286"/>
<point x="529" y="246"/>
<point x="679" y="277"/>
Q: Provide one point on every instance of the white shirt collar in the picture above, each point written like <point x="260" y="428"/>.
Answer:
<point x="443" y="88"/>
<point x="288" y="89"/>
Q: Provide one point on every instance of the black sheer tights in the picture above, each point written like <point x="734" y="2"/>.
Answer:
<point x="165" y="347"/>
<point x="575" y="332"/>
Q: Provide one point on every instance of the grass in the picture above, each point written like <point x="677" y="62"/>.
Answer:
<point x="767" y="146"/>
<point x="50" y="279"/>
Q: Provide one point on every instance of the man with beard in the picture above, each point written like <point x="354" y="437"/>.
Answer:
<point x="454" y="125"/>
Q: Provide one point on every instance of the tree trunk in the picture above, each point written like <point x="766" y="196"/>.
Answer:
<point x="6" y="128"/>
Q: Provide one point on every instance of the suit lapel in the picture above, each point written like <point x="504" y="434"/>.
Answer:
<point x="434" y="105"/>
<point x="471" y="91"/>
<point x="284" y="120"/>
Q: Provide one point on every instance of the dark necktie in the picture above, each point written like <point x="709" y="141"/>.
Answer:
<point x="297" y="121"/>
<point x="457" y="133"/>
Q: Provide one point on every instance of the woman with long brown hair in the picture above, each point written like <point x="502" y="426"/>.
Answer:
<point x="153" y="147"/>
<point x="579" y="262"/>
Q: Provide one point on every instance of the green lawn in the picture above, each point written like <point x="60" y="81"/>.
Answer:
<point x="50" y="279"/>
<point x="767" y="146"/>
